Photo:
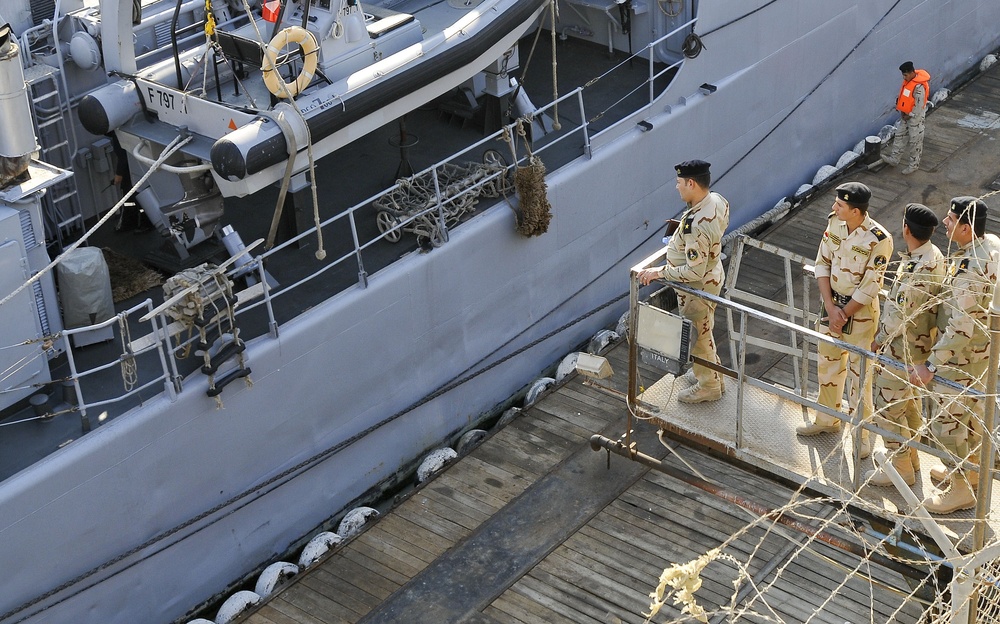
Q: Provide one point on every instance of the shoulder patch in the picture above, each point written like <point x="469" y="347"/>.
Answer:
<point x="686" y="224"/>
<point x="692" y="254"/>
<point x="879" y="234"/>
<point x="879" y="261"/>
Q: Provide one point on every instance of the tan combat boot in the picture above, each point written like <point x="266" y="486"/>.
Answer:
<point x="903" y="467"/>
<point x="700" y="394"/>
<point x="956" y="498"/>
<point x="822" y="424"/>
<point x="941" y="475"/>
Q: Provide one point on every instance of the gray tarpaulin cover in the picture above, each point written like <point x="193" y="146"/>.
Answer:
<point x="85" y="288"/>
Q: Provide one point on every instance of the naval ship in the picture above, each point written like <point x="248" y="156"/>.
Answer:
<point x="155" y="455"/>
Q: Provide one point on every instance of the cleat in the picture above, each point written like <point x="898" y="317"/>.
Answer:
<point x="816" y="428"/>
<point x="956" y="498"/>
<point x="699" y="394"/>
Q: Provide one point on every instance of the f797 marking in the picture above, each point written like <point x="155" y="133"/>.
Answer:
<point x="164" y="99"/>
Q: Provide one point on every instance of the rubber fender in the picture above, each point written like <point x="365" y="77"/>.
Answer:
<point x="274" y="576"/>
<point x="601" y="340"/>
<point x="469" y="440"/>
<point x="434" y="463"/>
<point x="317" y="547"/>
<point x="621" y="328"/>
<point x="236" y="605"/>
<point x="508" y="416"/>
<point x="355" y="520"/>
<point x="567" y="366"/>
<point x="539" y="386"/>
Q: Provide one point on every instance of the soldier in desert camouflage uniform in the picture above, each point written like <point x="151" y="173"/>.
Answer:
<point x="907" y="333"/>
<point x="961" y="353"/>
<point x="694" y="257"/>
<point x="850" y="266"/>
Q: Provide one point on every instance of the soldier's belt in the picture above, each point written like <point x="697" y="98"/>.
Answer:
<point x="841" y="300"/>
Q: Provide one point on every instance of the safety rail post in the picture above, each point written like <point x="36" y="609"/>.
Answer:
<point x="84" y="419"/>
<point x="987" y="450"/>
<point x="272" y="323"/>
<point x="584" y="125"/>
<point x="362" y="274"/>
<point x="858" y="431"/>
<point x="171" y="383"/>
<point x="652" y="74"/>
<point x="739" y="378"/>
<point x="442" y="227"/>
<point x="806" y="313"/>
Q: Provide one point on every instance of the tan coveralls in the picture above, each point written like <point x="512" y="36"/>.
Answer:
<point x="694" y="258"/>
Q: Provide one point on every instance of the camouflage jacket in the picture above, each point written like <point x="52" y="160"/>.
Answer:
<point x="694" y="251"/>
<point x="855" y="262"/>
<point x="909" y="319"/>
<point x="965" y="302"/>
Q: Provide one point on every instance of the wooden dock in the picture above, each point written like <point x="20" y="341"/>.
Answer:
<point x="534" y="526"/>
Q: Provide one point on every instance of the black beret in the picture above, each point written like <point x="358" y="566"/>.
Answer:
<point x="969" y="209"/>
<point x="906" y="67"/>
<point x="690" y="168"/>
<point x="920" y="215"/>
<point x="854" y="193"/>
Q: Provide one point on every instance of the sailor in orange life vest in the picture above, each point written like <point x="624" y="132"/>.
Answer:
<point x="911" y="104"/>
<point x="694" y="257"/>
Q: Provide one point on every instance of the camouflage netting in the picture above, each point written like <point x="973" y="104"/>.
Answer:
<point x="129" y="277"/>
<point x="534" y="212"/>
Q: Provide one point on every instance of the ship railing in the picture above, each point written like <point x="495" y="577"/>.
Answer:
<point x="555" y="147"/>
<point x="130" y="359"/>
<point x="762" y="323"/>
<point x="544" y="142"/>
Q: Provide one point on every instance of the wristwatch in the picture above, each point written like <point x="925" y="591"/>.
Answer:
<point x="931" y="368"/>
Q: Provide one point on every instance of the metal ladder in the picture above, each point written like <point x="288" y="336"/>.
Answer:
<point x="61" y="205"/>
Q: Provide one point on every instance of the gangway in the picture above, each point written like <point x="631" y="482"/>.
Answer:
<point x="754" y="422"/>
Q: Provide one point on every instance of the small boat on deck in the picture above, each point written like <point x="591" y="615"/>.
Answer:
<point x="295" y="80"/>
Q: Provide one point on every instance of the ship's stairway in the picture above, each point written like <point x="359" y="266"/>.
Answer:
<point x="51" y="110"/>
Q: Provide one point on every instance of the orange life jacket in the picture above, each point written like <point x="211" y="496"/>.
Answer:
<point x="905" y="102"/>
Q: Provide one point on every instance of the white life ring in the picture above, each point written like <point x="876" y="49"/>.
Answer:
<point x="272" y="79"/>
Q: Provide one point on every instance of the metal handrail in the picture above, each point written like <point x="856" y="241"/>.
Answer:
<point x="172" y="378"/>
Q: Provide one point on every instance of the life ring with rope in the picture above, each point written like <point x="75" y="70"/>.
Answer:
<point x="272" y="78"/>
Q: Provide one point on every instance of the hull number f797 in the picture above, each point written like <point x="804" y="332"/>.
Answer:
<point x="161" y="99"/>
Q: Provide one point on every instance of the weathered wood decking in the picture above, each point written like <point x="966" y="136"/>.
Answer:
<point x="533" y="526"/>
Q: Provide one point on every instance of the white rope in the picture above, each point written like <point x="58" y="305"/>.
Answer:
<point x="174" y="145"/>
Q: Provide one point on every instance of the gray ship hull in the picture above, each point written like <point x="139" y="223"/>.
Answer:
<point x="797" y="84"/>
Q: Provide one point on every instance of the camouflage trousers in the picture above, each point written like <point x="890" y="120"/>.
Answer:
<point x="898" y="407"/>
<point x="910" y="135"/>
<point x="701" y="313"/>
<point x="836" y="366"/>
<point x="957" y="424"/>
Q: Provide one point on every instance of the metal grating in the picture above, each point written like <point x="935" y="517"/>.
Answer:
<point x="42" y="10"/>
<point x="824" y="462"/>
<point x="43" y="314"/>
<point x="27" y="231"/>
